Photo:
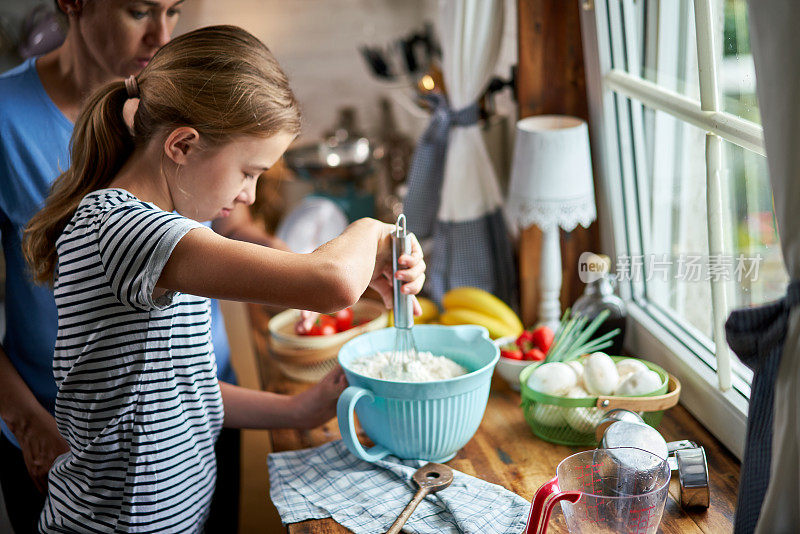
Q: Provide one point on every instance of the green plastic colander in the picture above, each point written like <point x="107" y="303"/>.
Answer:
<point x="569" y="421"/>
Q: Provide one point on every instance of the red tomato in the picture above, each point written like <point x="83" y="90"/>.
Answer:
<point x="543" y="338"/>
<point x="323" y="326"/>
<point x="534" y="354"/>
<point x="327" y="330"/>
<point x="523" y="339"/>
<point x="344" y="319"/>
<point x="326" y="320"/>
<point x="314" y="331"/>
<point x="511" y="354"/>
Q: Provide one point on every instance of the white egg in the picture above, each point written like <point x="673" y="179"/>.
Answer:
<point x="600" y="376"/>
<point x="554" y="378"/>
<point x="639" y="383"/>
<point x="629" y="366"/>
<point x="578" y="392"/>
<point x="548" y="415"/>
<point x="582" y="420"/>
<point x="578" y="368"/>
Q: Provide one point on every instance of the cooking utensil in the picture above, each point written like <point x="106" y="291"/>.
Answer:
<point x="430" y="478"/>
<point x="599" y="492"/>
<point x="41" y="32"/>
<point x="627" y="429"/>
<point x="331" y="159"/>
<point x="376" y="60"/>
<point x="639" y="435"/>
<point x="420" y="420"/>
<point x="693" y="475"/>
<point x="611" y="417"/>
<point x="405" y="351"/>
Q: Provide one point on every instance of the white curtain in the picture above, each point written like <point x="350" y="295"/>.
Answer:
<point x="471" y="34"/>
<point x="773" y="36"/>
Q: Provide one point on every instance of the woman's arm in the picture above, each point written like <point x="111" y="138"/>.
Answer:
<point x="32" y="425"/>
<point x="331" y="278"/>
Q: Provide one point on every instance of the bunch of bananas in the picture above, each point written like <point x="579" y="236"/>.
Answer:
<point x="470" y="305"/>
<point x="430" y="312"/>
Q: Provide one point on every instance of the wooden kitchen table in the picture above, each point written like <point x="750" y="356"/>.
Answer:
<point x="505" y="452"/>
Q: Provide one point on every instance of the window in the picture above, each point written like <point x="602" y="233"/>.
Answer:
<point x="684" y="186"/>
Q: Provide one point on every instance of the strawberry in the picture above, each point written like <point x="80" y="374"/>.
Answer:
<point x="524" y="339"/>
<point x="543" y="337"/>
<point x="534" y="354"/>
<point x="511" y="351"/>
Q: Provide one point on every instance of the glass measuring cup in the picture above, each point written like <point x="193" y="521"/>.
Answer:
<point x="620" y="490"/>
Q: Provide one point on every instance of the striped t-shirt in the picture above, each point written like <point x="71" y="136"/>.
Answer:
<point x="138" y="400"/>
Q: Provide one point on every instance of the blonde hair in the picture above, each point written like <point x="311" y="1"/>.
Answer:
<point x="220" y="80"/>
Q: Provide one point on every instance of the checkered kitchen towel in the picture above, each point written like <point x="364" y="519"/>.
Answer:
<point x="329" y="481"/>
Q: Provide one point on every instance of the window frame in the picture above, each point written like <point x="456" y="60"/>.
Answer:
<point x="715" y="387"/>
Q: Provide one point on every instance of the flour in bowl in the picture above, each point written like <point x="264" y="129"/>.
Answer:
<point x="425" y="368"/>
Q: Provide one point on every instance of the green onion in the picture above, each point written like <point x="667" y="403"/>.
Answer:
<point x="573" y="337"/>
<point x="587" y="333"/>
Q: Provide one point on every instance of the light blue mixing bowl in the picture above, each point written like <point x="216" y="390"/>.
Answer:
<point x="420" y="420"/>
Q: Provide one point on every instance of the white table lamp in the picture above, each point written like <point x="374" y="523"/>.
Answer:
<point x="551" y="186"/>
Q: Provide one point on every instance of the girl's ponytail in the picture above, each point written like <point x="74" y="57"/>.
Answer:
<point x="101" y="143"/>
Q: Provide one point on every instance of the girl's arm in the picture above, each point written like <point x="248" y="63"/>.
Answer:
<point x="249" y="408"/>
<point x="241" y="226"/>
<point x="331" y="278"/>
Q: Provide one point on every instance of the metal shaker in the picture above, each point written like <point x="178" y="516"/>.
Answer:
<point x="623" y="428"/>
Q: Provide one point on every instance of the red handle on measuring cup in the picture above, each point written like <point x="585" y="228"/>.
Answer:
<point x="537" y="504"/>
<point x="571" y="496"/>
<point x="540" y="513"/>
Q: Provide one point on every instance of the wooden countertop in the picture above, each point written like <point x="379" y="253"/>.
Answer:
<point x="505" y="452"/>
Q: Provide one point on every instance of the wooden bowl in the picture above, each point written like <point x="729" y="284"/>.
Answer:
<point x="309" y="358"/>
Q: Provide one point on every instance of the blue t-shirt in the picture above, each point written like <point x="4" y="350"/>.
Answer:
<point x="34" y="150"/>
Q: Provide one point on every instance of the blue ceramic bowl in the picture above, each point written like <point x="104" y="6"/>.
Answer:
<point x="420" y="420"/>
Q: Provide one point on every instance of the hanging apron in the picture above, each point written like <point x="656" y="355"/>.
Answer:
<point x="476" y="252"/>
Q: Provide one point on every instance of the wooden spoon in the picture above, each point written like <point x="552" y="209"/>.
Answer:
<point x="430" y="478"/>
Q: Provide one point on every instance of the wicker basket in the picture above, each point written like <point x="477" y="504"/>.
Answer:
<point x="569" y="421"/>
<point x="309" y="358"/>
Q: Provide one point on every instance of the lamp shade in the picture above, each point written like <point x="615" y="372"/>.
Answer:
<point x="551" y="175"/>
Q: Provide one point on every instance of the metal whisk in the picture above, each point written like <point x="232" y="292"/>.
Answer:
<point x="405" y="350"/>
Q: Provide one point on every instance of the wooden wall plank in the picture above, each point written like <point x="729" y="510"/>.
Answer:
<point x="551" y="80"/>
<point x="530" y="250"/>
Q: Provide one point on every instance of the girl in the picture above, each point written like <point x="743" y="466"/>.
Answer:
<point x="40" y="100"/>
<point x="138" y="399"/>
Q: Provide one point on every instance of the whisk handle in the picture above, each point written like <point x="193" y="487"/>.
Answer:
<point x="403" y="304"/>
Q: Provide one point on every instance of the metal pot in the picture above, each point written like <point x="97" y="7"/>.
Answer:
<point x="332" y="159"/>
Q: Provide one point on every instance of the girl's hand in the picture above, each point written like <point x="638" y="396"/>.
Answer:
<point x="412" y="274"/>
<point x="317" y="405"/>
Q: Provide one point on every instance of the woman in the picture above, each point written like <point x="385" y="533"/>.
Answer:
<point x="39" y="101"/>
